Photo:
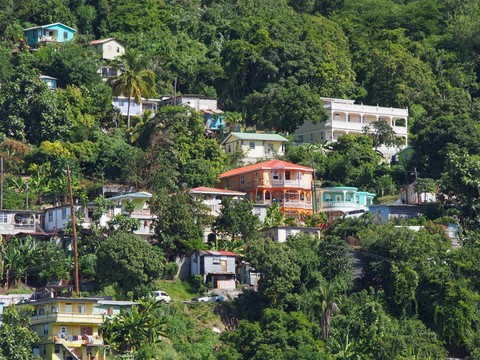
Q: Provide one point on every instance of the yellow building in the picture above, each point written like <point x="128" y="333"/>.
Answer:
<point x="68" y="327"/>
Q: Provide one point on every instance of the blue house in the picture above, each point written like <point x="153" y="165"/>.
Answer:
<point x="51" y="33"/>
<point x="337" y="201"/>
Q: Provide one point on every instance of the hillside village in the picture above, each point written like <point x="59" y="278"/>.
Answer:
<point x="257" y="180"/>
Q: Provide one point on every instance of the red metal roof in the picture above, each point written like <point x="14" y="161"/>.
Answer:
<point x="266" y="165"/>
<point x="100" y="41"/>
<point x="217" y="253"/>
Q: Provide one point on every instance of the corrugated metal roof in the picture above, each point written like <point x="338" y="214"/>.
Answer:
<point x="266" y="165"/>
<point x="256" y="136"/>
<point x="207" y="190"/>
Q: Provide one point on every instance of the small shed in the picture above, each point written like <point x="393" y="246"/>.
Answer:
<point x="216" y="267"/>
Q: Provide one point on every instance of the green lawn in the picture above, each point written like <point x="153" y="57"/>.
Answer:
<point x="178" y="290"/>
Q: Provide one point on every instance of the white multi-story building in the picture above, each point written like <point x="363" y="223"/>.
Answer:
<point x="346" y="117"/>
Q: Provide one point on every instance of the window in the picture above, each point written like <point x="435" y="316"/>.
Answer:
<point x="287" y="175"/>
<point x="216" y="261"/>
<point x="64" y="213"/>
<point x="65" y="35"/>
<point x="275" y="175"/>
<point x="227" y="183"/>
<point x="257" y="174"/>
<point x="322" y="135"/>
<point x="267" y="195"/>
<point x="81" y="308"/>
<point x="337" y="117"/>
<point x="118" y="49"/>
<point x="242" y="179"/>
<point x="299" y="176"/>
<point x="68" y="308"/>
<point x="252" y="144"/>
<point x="288" y="232"/>
<point x="3" y="217"/>
<point x="229" y="148"/>
<point x="300" y="138"/>
<point x="311" y="136"/>
<point x="45" y="329"/>
<point x="257" y="211"/>
<point x="57" y="349"/>
<point x="348" y="118"/>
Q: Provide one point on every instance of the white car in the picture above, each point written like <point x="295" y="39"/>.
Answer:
<point x="160" y="296"/>
<point x="210" y="298"/>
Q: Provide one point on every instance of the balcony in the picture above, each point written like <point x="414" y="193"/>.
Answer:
<point x="78" y="340"/>
<point x="46" y="38"/>
<point x="68" y="318"/>
<point x="288" y="204"/>
<point x="341" y="205"/>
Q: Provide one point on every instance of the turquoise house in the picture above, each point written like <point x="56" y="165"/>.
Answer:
<point x="51" y="33"/>
<point x="338" y="201"/>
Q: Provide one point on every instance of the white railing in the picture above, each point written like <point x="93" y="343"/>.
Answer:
<point x="292" y="204"/>
<point x="46" y="38"/>
<point x="288" y="183"/>
<point x="339" y="106"/>
<point x="341" y="204"/>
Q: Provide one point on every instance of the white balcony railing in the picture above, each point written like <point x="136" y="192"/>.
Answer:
<point x="288" y="183"/>
<point x="289" y="204"/>
<point x="341" y="204"/>
<point x="46" y="38"/>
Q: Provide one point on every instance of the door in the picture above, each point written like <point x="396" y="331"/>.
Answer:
<point x="224" y="265"/>
<point x="63" y="332"/>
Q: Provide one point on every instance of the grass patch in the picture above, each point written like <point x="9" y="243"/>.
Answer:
<point x="177" y="289"/>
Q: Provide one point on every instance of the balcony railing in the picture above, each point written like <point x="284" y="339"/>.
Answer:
<point x="46" y="38"/>
<point x="288" y="204"/>
<point x="341" y="204"/>
<point x="288" y="183"/>
<point x="75" y="340"/>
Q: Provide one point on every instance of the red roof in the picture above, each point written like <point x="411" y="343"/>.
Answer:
<point x="100" y="41"/>
<point x="266" y="165"/>
<point x="216" y="253"/>
<point x="208" y="190"/>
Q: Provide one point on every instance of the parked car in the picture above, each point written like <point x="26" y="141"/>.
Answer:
<point x="210" y="298"/>
<point x="160" y="296"/>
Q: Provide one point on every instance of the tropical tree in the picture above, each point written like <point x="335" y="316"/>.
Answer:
<point x="328" y="300"/>
<point x="128" y="262"/>
<point x="16" y="335"/>
<point x="135" y="79"/>
<point x="236" y="219"/>
<point x="131" y="330"/>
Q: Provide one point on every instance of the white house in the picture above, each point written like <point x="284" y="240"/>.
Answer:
<point x="346" y="117"/>
<point x="136" y="109"/>
<point x="14" y="222"/>
<point x="282" y="233"/>
<point x="409" y="196"/>
<point x="56" y="219"/>
<point x="109" y="48"/>
<point x="254" y="146"/>
<point x="212" y="198"/>
<point x="199" y="103"/>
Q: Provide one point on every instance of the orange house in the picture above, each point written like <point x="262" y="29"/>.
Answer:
<point x="287" y="184"/>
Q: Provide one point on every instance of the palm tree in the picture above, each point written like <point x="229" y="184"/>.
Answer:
<point x="329" y="304"/>
<point x="135" y="79"/>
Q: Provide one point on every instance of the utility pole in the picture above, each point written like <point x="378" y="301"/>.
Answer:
<point x="26" y="191"/>
<point x="72" y="216"/>
<point x="1" y="183"/>
<point x="314" y="203"/>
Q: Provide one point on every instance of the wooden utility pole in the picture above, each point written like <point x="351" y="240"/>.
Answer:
<point x="1" y="183"/>
<point x="74" y="233"/>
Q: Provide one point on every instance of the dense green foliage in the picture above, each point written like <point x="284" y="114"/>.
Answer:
<point x="268" y="62"/>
